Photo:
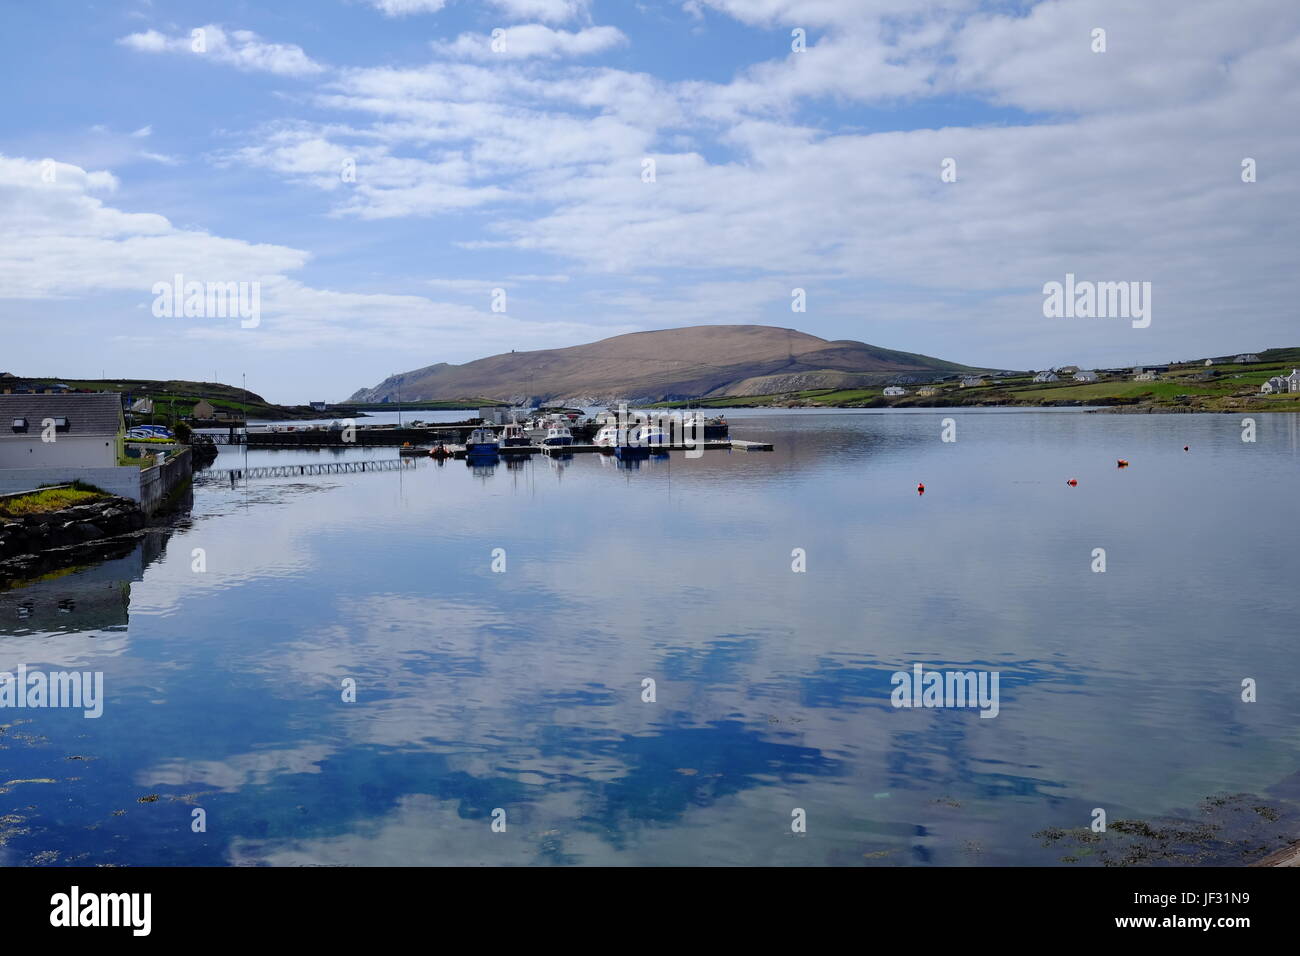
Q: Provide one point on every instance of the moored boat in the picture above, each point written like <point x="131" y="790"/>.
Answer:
<point x="482" y="442"/>
<point x="557" y="433"/>
<point x="513" y="436"/>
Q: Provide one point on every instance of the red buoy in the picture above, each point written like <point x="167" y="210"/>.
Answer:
<point x="1072" y="482"/>
<point x="920" y="488"/>
<point x="1122" y="463"/>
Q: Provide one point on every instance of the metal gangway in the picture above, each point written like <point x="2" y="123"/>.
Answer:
<point x="213" y="475"/>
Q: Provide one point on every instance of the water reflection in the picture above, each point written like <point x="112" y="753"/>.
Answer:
<point x="524" y="690"/>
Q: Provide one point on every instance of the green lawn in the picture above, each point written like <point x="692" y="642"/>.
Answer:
<point x="43" y="502"/>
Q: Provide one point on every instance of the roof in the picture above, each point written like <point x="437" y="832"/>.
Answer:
<point x="95" y="413"/>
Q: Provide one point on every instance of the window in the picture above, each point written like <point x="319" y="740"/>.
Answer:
<point x="20" y="425"/>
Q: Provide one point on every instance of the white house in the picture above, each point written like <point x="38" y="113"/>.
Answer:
<point x="971" y="381"/>
<point x="1141" y="375"/>
<point x="1046" y="377"/>
<point x="1293" y="381"/>
<point x="1209" y="361"/>
<point x="894" y="390"/>
<point x="1246" y="359"/>
<point x="60" y="431"/>
<point x="1085" y="376"/>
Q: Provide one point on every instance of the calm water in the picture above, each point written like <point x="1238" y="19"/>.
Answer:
<point x="522" y="690"/>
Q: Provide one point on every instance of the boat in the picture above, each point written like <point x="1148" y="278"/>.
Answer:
<point x="631" y="452"/>
<point x="648" y="435"/>
<point x="611" y="436"/>
<point x="557" y="434"/>
<point x="482" y="442"/>
<point x="513" y="436"/>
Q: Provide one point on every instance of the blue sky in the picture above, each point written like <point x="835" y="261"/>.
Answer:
<point x="521" y="169"/>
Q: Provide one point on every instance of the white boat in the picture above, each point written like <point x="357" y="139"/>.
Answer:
<point x="557" y="434"/>
<point x="611" y="436"/>
<point x="513" y="435"/>
<point x="482" y="441"/>
<point x="648" y="435"/>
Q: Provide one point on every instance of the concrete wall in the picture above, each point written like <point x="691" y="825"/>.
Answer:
<point x="157" y="483"/>
<point x="118" y="480"/>
<point x="28" y="451"/>
<point x="148" y="486"/>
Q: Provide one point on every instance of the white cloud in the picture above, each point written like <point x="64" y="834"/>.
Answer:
<point x="404" y="8"/>
<point x="59" y="241"/>
<point x="241" y="49"/>
<point x="550" y="11"/>
<point x="533" y="40"/>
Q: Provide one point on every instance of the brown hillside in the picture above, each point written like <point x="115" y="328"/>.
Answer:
<point x="651" y="366"/>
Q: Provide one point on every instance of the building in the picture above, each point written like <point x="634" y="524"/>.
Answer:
<point x="61" y="431"/>
<point x="319" y="406"/>
<point x="1145" y="375"/>
<point x="1209" y="362"/>
<point x="1046" y="377"/>
<point x="1246" y="359"/>
<point x="1068" y="369"/>
<point x="1281" y="384"/>
<point x="972" y="381"/>
<point x="929" y="391"/>
<point x="203" y="409"/>
<point x="1085" y="376"/>
<point x="58" y="439"/>
<point x="892" y="391"/>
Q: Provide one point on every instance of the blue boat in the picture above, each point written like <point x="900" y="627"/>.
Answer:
<point x="482" y="443"/>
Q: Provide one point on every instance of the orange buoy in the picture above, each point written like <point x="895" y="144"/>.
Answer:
<point x="1072" y="482"/>
<point x="1122" y="463"/>
<point x="920" y="488"/>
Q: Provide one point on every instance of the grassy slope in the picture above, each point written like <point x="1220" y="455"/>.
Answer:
<point x="181" y="396"/>
<point x="1237" y="387"/>
<point x="43" y="502"/>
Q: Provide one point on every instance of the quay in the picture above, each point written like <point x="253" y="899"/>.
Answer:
<point x="458" y="450"/>
<point x="428" y="435"/>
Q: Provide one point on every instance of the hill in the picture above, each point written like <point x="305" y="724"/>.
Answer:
<point x="666" y="365"/>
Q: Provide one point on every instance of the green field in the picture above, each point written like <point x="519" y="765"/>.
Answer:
<point x="1235" y="387"/>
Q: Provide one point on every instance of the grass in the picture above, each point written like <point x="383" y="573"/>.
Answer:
<point x="44" y="502"/>
<point x="1235" y="388"/>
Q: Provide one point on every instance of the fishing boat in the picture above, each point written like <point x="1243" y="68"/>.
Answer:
<point x="482" y="442"/>
<point x="513" y="436"/>
<point x="648" y="435"/>
<point x="611" y="436"/>
<point x="557" y="434"/>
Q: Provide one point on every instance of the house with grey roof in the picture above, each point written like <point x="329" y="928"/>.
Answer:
<point x="59" y="439"/>
<point x="75" y="430"/>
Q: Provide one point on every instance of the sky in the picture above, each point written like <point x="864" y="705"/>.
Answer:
<point x="377" y="169"/>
